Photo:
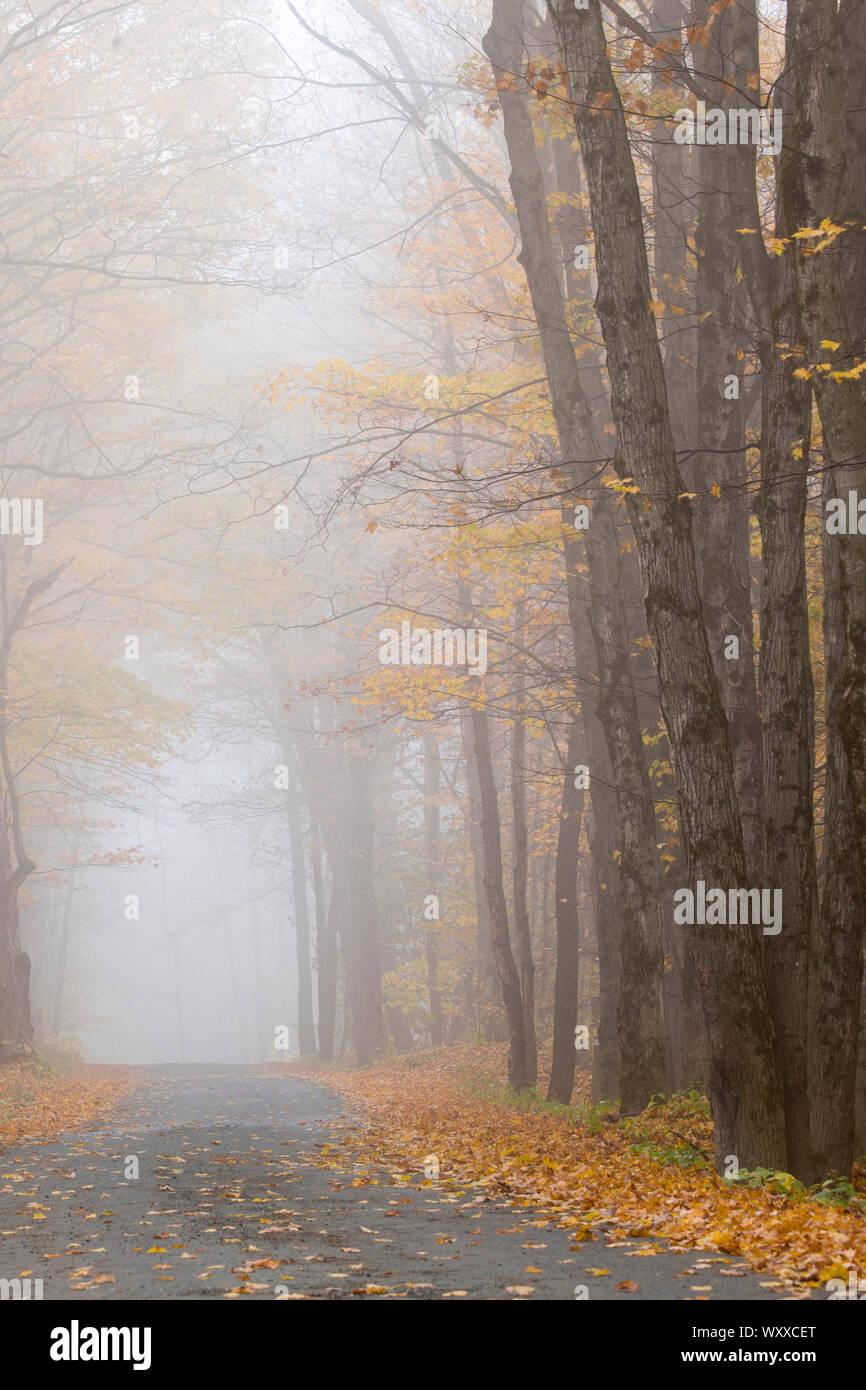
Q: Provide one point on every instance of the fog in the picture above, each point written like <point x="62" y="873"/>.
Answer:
<point x="420" y="424"/>
<point x="160" y="918"/>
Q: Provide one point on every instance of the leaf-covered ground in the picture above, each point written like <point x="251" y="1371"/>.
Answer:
<point x="584" y="1167"/>
<point x="237" y="1192"/>
<point x="39" y="1101"/>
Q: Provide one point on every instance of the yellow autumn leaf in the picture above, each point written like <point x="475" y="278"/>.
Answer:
<point x="723" y="1240"/>
<point x="833" y="1271"/>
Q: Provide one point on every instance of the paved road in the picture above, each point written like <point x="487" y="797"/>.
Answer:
<point x="231" y="1174"/>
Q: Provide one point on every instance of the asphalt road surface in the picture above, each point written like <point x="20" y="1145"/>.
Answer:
<point x="233" y="1199"/>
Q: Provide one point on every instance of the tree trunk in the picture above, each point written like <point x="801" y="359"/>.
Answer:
<point x="641" y="1023"/>
<point x="673" y="186"/>
<point x="744" y="1089"/>
<point x="487" y="978"/>
<point x="815" y="179"/>
<point x="787" y="692"/>
<point x="860" y="1083"/>
<point x="16" y="1026"/>
<point x="16" y="1029"/>
<point x="520" y="873"/>
<point x="362" y="918"/>
<point x="306" y="1027"/>
<point x="567" y="934"/>
<point x="608" y="915"/>
<point x="721" y="522"/>
<point x="63" y="944"/>
<point x="326" y="952"/>
<point x="431" y="844"/>
<point x="509" y="980"/>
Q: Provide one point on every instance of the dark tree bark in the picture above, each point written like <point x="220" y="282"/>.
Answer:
<point x="852" y="28"/>
<point x="605" y="880"/>
<point x="672" y="224"/>
<point x="567" y="929"/>
<point x="744" y="1089"/>
<point x="787" y="690"/>
<point x="852" y="17"/>
<point x="641" y="1026"/>
<point x="520" y="872"/>
<point x="721" y="523"/>
<point x="860" y="1083"/>
<point x="815" y="183"/>
<point x="491" y="844"/>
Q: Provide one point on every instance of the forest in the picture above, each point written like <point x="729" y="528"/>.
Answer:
<point x="433" y="631"/>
